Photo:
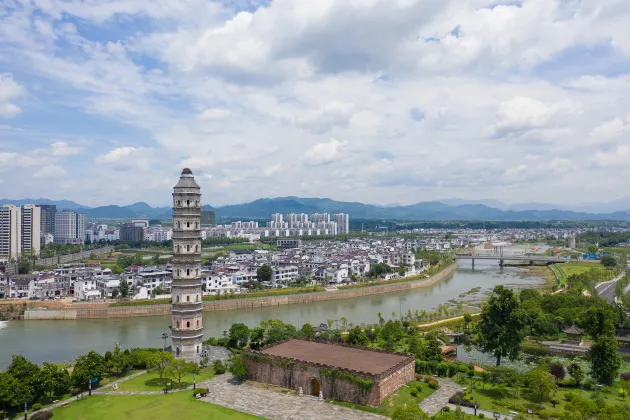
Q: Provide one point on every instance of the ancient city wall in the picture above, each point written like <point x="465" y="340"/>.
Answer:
<point x="245" y="303"/>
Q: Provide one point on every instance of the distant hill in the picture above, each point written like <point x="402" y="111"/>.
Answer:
<point x="61" y="204"/>
<point x="454" y="209"/>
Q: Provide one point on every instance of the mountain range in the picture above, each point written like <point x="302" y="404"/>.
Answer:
<point x="447" y="209"/>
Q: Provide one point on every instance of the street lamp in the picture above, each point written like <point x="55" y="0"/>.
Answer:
<point x="164" y="337"/>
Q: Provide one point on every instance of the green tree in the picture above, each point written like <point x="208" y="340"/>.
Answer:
<point x="358" y="337"/>
<point x="256" y="337"/>
<point x="178" y="368"/>
<point x="411" y="412"/>
<point x="159" y="290"/>
<point x="307" y="331"/>
<point x="467" y="320"/>
<point x="264" y="273"/>
<point x="414" y="346"/>
<point x="583" y="407"/>
<point x="239" y="335"/>
<point x="8" y="384"/>
<point x="500" y="325"/>
<point x="608" y="261"/>
<point x="604" y="359"/>
<point x="163" y="360"/>
<point x="123" y="288"/>
<point x="119" y="362"/>
<point x="576" y="373"/>
<point x="598" y="320"/>
<point x="238" y="368"/>
<point x="592" y="249"/>
<point x="24" y="266"/>
<point x="26" y="373"/>
<point x="91" y="365"/>
<point x="541" y="383"/>
<point x="56" y="380"/>
<point x="432" y="348"/>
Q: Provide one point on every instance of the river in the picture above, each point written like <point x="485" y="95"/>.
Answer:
<point x="59" y="341"/>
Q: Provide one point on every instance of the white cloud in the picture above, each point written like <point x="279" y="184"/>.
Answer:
<point x="50" y="172"/>
<point x="523" y="113"/>
<point x="62" y="148"/>
<point x="214" y="114"/>
<point x="273" y="169"/>
<point x="611" y="129"/>
<point x="324" y="153"/>
<point x="612" y="158"/>
<point x="9" y="90"/>
<point x="127" y="158"/>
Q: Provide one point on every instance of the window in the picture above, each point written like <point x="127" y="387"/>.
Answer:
<point x="177" y="351"/>
<point x="177" y="324"/>
<point x="197" y="322"/>
<point x="187" y="298"/>
<point x="197" y="349"/>
<point x="187" y="324"/>
<point x="178" y="298"/>
<point x="188" y="203"/>
<point x="188" y="272"/>
<point x="188" y="248"/>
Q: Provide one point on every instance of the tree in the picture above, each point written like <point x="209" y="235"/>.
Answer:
<point x="238" y="368"/>
<point x="178" y="368"/>
<point x="123" y="288"/>
<point x="592" y="249"/>
<point x="500" y="326"/>
<point x="163" y="360"/>
<point x="608" y="261"/>
<point x="625" y="386"/>
<point x="414" y="346"/>
<point x="26" y="373"/>
<point x="604" y="359"/>
<point x="584" y="407"/>
<point x="86" y="367"/>
<point x="598" y="320"/>
<point x="24" y="266"/>
<point x="358" y="337"/>
<point x="159" y="290"/>
<point x="541" y="383"/>
<point x="8" y="384"/>
<point x="557" y="370"/>
<point x="307" y="331"/>
<point x="576" y="373"/>
<point x="256" y="338"/>
<point x="118" y="362"/>
<point x="239" y="335"/>
<point x="410" y="412"/>
<point x="264" y="273"/>
<point x="56" y="380"/>
<point x="467" y="320"/>
<point x="432" y="348"/>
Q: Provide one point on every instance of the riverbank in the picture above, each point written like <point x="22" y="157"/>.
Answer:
<point x="237" y="304"/>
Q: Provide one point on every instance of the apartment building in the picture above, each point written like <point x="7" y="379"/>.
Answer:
<point x="69" y="227"/>
<point x="48" y="212"/>
<point x="19" y="231"/>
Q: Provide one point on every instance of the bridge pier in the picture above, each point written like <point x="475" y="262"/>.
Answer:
<point x="501" y="263"/>
<point x="473" y="263"/>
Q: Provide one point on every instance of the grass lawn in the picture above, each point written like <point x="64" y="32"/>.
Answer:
<point x="492" y="399"/>
<point x="179" y="405"/>
<point x="398" y="399"/>
<point x="150" y="381"/>
<point x="579" y="267"/>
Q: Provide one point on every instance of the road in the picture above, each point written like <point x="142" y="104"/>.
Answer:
<point x="606" y="290"/>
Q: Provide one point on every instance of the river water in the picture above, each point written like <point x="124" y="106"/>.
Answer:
<point x="59" y="341"/>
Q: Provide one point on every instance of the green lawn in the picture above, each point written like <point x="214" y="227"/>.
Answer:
<point x="495" y="399"/>
<point x="150" y="381"/>
<point x="397" y="399"/>
<point x="579" y="267"/>
<point x="179" y="405"/>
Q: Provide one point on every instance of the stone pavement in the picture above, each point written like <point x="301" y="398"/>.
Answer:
<point x="276" y="405"/>
<point x="488" y="414"/>
<point x="434" y="402"/>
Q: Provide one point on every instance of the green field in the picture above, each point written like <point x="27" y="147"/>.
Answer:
<point x="179" y="405"/>
<point x="150" y="381"/>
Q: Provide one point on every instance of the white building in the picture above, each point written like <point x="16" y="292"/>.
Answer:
<point x="343" y="223"/>
<point x="19" y="231"/>
<point x="284" y="274"/>
<point x="87" y="289"/>
<point x="69" y="227"/>
<point x="143" y="223"/>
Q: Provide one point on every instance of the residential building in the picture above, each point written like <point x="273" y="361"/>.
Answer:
<point x="19" y="231"/>
<point x="131" y="233"/>
<point x="48" y="212"/>
<point x="284" y="274"/>
<point x="86" y="288"/>
<point x="69" y="227"/>
<point x="289" y="243"/>
<point x="208" y="218"/>
<point x="143" y="223"/>
<point x="343" y="223"/>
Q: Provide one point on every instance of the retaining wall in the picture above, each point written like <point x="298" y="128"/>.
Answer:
<point x="235" y="304"/>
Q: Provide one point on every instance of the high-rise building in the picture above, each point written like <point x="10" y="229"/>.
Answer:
<point x="19" y="231"/>
<point x="31" y="229"/>
<point x="69" y="227"/>
<point x="131" y="233"/>
<point x="343" y="223"/>
<point x="186" y="304"/>
<point x="277" y="218"/>
<point x="10" y="232"/>
<point x="48" y="212"/>
<point x="320" y="218"/>
<point x="208" y="217"/>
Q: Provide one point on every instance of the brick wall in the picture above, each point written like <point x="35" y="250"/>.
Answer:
<point x="302" y="375"/>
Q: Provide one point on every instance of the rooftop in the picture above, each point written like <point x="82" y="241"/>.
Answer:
<point x="344" y="357"/>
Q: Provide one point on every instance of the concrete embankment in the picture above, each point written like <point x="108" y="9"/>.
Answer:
<point x="235" y="304"/>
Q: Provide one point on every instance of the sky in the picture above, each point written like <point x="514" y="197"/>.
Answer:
<point x="377" y="101"/>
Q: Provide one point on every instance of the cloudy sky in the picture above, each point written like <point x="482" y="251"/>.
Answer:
<point x="379" y="101"/>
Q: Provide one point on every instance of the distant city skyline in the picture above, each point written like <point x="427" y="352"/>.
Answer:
<point x="378" y="102"/>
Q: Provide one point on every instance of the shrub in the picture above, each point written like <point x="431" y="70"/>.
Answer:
<point x="414" y="393"/>
<point x="219" y="367"/>
<point x="75" y="391"/>
<point x="458" y="399"/>
<point x="42" y="415"/>
<point x="588" y="385"/>
<point x="419" y="388"/>
<point x="463" y="368"/>
<point x="442" y="369"/>
<point x="569" y="383"/>
<point x="419" y="377"/>
<point x="451" y="370"/>
<point x="212" y="341"/>
<point x="446" y="408"/>
<point x="481" y="415"/>
<point x="421" y="366"/>
<point x="625" y="376"/>
<point x="568" y="397"/>
<point x="37" y="407"/>
<point x="433" y="384"/>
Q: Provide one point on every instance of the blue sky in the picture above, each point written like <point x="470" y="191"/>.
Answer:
<point x="380" y="101"/>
